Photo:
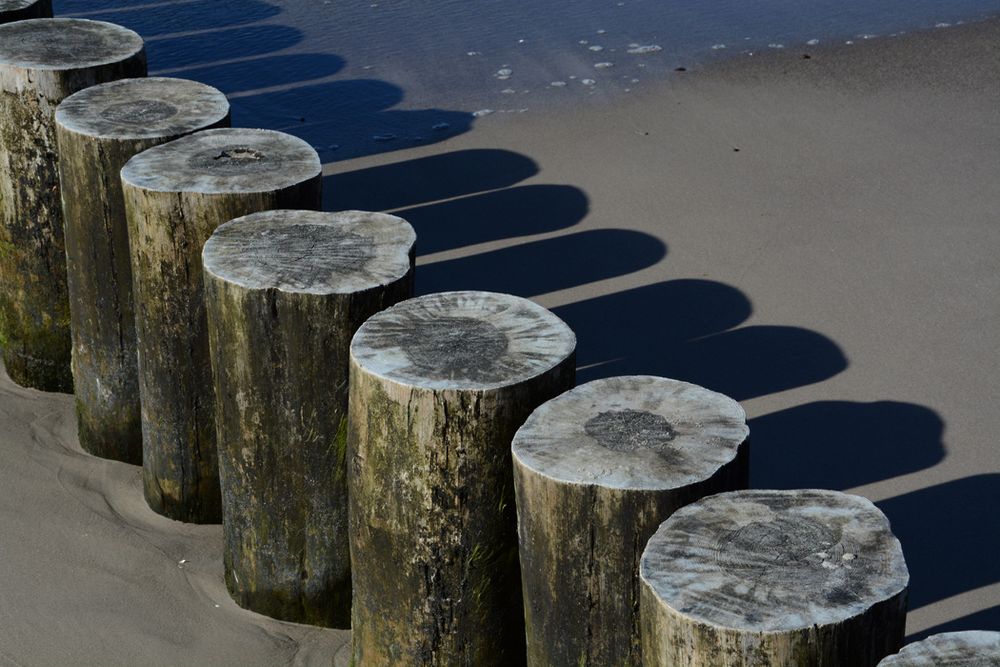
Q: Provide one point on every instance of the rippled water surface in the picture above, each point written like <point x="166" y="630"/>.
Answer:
<point x="390" y="73"/>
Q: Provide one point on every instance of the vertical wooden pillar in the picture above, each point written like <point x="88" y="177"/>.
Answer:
<point x="285" y="291"/>
<point x="974" y="648"/>
<point x="439" y="385"/>
<point x="43" y="61"/>
<point x="99" y="129"/>
<point x="596" y="471"/>
<point x="19" y="10"/>
<point x="748" y="578"/>
<point x="176" y="195"/>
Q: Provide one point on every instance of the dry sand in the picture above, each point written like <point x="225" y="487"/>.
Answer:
<point x="838" y="274"/>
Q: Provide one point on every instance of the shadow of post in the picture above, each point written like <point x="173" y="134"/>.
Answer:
<point x="950" y="535"/>
<point x="842" y="444"/>
<point x="683" y="329"/>
<point x="546" y="266"/>
<point x="428" y="179"/>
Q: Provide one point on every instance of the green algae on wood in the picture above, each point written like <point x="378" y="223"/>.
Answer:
<point x="285" y="291"/>
<point x="43" y="61"/>
<point x="806" y="578"/>
<point x="19" y="10"/>
<point x="596" y="471"/>
<point x="99" y="129"/>
<point x="439" y="385"/>
<point x="973" y="648"/>
<point x="176" y="195"/>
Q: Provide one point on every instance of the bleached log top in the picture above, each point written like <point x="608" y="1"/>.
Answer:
<point x="951" y="649"/>
<point x="635" y="432"/>
<point x="65" y="44"/>
<point x="224" y="161"/>
<point x="311" y="252"/>
<point x="142" y="108"/>
<point x="14" y="5"/>
<point x="774" y="561"/>
<point x="462" y="340"/>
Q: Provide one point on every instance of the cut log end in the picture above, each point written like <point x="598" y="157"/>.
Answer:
<point x="636" y="432"/>
<point x="955" y="649"/>
<point x="774" y="561"/>
<point x="65" y="44"/>
<point x="142" y="109"/>
<point x="224" y="161"/>
<point x="311" y="252"/>
<point x="463" y="341"/>
<point x="19" y="10"/>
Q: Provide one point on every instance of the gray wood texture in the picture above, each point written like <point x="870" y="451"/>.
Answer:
<point x="804" y="577"/>
<point x="285" y="292"/>
<point x="99" y="129"/>
<point x="439" y="385"/>
<point x="596" y="471"/>
<point x="43" y="61"/>
<point x="176" y="194"/>
<point x="19" y="10"/>
<point x="974" y="648"/>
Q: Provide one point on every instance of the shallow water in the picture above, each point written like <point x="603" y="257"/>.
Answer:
<point x="374" y="75"/>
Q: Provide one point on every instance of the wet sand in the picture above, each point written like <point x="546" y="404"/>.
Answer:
<point x="815" y="237"/>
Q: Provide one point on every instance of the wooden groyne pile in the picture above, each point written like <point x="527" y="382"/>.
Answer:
<point x="422" y="470"/>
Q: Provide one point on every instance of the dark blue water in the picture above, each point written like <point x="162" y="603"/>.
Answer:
<point x="357" y="77"/>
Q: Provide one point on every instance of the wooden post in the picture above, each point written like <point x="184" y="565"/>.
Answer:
<point x="803" y="577"/>
<point x="973" y="648"/>
<point x="596" y="471"/>
<point x="175" y="196"/>
<point x="43" y="61"/>
<point x="285" y="291"/>
<point x="99" y="129"/>
<point x="19" y="10"/>
<point x="439" y="385"/>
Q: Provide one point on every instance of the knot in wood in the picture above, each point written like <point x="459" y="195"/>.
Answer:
<point x="629" y="430"/>
<point x="230" y="159"/>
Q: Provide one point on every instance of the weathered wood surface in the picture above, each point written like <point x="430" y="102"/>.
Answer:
<point x="19" y="10"/>
<point x="285" y="291"/>
<point x="99" y="129"/>
<point x="596" y="471"/>
<point x="43" y="61"/>
<point x="975" y="648"/>
<point x="754" y="578"/>
<point x="176" y="195"/>
<point x="439" y="385"/>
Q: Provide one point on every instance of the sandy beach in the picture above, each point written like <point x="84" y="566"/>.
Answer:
<point x="816" y="237"/>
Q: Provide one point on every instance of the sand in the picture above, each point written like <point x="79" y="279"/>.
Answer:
<point x="838" y="274"/>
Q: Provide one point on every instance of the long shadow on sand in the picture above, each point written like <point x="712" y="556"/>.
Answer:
<point x="423" y="180"/>
<point x="349" y="118"/>
<point x="546" y="266"/>
<point x="843" y="444"/>
<point x="683" y="329"/>
<point x="951" y="537"/>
